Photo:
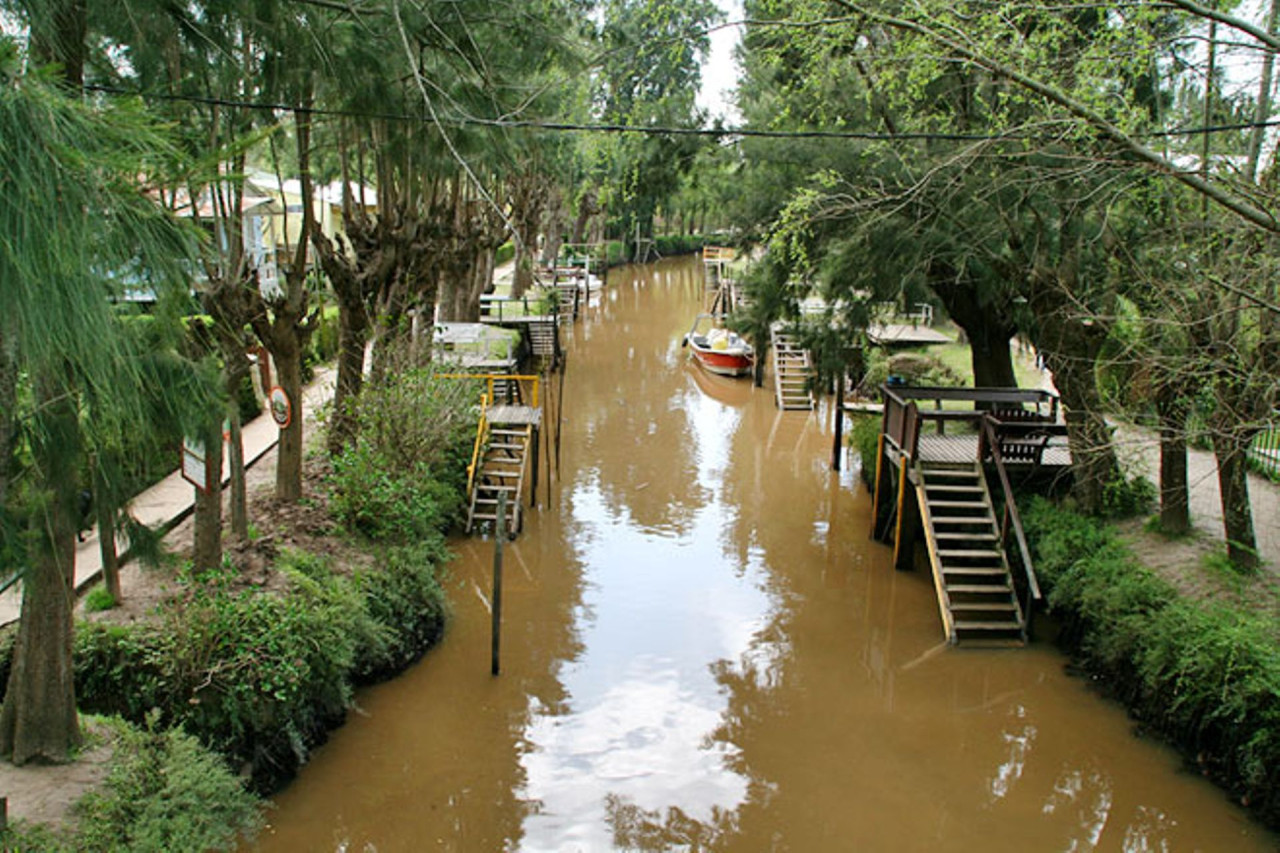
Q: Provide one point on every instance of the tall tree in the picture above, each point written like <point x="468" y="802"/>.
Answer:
<point x="64" y="164"/>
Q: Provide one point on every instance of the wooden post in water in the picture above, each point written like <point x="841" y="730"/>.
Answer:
<point x="499" y="534"/>
<point x="839" y="430"/>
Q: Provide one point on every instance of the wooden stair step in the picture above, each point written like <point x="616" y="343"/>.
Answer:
<point x="975" y="571"/>
<point x="969" y="537"/>
<point x="959" y="504"/>
<point x="952" y="488"/>
<point x="961" y="588"/>
<point x="971" y="553"/>
<point x="1006" y="604"/>
<point x="964" y="625"/>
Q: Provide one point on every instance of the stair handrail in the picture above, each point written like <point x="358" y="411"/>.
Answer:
<point x="991" y="443"/>
<point x="482" y="432"/>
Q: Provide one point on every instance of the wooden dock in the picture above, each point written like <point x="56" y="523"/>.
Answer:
<point x="943" y="474"/>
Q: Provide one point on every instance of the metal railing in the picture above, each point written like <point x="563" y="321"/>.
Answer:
<point x="511" y="381"/>
<point x="503" y="309"/>
<point x="1264" y="452"/>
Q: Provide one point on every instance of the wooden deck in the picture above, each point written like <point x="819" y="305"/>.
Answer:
<point x="517" y="415"/>
<point x="945" y="466"/>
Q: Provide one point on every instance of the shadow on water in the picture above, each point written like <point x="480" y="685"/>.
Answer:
<point x="703" y="650"/>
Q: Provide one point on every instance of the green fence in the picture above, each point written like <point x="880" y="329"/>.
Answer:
<point x="1265" y="452"/>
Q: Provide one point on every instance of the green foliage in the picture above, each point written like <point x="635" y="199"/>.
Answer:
<point x="1125" y="498"/>
<point x="403" y="479"/>
<point x="916" y="368"/>
<point x="257" y="676"/>
<point x="404" y="597"/>
<point x="98" y="599"/>
<point x="679" y="244"/>
<point x="165" y="792"/>
<point x="375" y="499"/>
<point x="504" y="254"/>
<point x="1206" y="675"/>
<point x="864" y="435"/>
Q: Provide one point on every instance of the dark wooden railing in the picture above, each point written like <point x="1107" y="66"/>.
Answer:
<point x="1024" y="578"/>
<point x="1013" y="425"/>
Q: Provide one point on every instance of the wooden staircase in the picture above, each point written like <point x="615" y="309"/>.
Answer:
<point x="503" y="469"/>
<point x="544" y="339"/>
<point x="792" y="368"/>
<point x="976" y="594"/>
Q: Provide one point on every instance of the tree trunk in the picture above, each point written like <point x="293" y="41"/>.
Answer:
<point x="289" y="453"/>
<point x="207" y="554"/>
<point x="353" y="335"/>
<point x="1231" y="452"/>
<point x="106" y="509"/>
<point x="1175" y="506"/>
<point x="8" y="410"/>
<point x="235" y="465"/>
<point x="988" y="335"/>
<point x="38" y="720"/>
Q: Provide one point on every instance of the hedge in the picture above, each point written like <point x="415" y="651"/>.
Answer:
<point x="1205" y="676"/>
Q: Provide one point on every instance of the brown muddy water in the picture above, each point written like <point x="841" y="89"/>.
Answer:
<point x="703" y="650"/>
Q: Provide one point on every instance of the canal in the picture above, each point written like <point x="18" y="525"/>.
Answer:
<point x="703" y="650"/>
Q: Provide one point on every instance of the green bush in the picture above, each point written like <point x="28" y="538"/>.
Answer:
<point x="1204" y="675"/>
<point x="163" y="792"/>
<point x="405" y="597"/>
<point x="372" y="497"/>
<point x="259" y="676"/>
<point x="404" y="477"/>
<point x="864" y="435"/>
<point x="505" y="254"/>
<point x="679" y="244"/>
<point x="98" y="599"/>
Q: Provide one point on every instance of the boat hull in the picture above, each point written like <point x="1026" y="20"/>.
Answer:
<point x="723" y="363"/>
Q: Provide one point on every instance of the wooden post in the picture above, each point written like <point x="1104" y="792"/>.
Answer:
<point x="839" y="439"/>
<point x="499" y="534"/>
<point x="904" y="539"/>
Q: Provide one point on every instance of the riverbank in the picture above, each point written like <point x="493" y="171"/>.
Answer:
<point x="258" y="660"/>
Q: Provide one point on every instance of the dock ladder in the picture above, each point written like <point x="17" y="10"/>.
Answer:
<point x="792" y="369"/>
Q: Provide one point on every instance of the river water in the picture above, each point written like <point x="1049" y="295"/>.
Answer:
<point x="703" y="650"/>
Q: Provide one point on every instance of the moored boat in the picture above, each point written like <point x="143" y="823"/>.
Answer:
<point x="720" y="350"/>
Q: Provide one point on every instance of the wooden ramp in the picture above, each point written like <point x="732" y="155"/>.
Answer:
<point x="971" y="570"/>
<point x="792" y="368"/>
<point x="503" y="469"/>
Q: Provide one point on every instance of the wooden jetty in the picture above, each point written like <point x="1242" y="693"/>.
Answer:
<point x="944" y="468"/>
<point x="504" y="457"/>
<point x="531" y="315"/>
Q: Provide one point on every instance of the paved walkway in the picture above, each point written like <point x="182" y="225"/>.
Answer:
<point x="173" y="498"/>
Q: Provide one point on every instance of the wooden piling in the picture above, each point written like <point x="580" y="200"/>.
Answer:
<point x="499" y="535"/>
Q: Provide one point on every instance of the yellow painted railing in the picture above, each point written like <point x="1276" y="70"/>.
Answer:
<point x="482" y="431"/>
<point x="491" y="378"/>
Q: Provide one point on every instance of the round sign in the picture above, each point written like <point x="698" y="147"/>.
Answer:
<point x="281" y="408"/>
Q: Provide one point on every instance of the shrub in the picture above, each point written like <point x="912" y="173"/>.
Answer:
<point x="1205" y="675"/>
<point x="369" y="495"/>
<point x="404" y="477"/>
<point x="165" y="791"/>
<point x="405" y="596"/>
<point x="258" y="676"/>
<point x="505" y="254"/>
<point x="865" y="437"/>
<point x="98" y="599"/>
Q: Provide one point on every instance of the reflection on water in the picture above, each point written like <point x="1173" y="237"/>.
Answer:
<point x="704" y="651"/>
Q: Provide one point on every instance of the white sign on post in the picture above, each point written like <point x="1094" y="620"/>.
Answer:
<point x="194" y="469"/>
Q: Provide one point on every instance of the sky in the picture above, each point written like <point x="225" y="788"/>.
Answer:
<point x="719" y="72"/>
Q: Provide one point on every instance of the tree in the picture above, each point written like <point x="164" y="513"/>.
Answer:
<point x="73" y="170"/>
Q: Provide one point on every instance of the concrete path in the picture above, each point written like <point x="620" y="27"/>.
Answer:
<point x="1141" y="448"/>
<point x="173" y="498"/>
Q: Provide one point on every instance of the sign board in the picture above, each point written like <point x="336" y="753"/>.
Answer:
<point x="269" y="281"/>
<point x="280" y="405"/>
<point x="194" y="469"/>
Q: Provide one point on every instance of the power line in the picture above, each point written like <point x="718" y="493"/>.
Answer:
<point x="663" y="130"/>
